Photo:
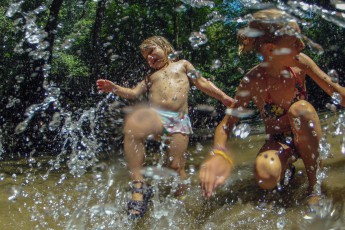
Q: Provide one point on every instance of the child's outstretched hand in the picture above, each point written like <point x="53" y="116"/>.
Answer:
<point x="105" y="86"/>
<point x="213" y="172"/>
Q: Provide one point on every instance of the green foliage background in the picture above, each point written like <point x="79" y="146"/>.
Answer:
<point x="84" y="51"/>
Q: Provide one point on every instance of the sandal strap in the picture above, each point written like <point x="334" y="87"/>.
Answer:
<point x="135" y="189"/>
<point x="138" y="181"/>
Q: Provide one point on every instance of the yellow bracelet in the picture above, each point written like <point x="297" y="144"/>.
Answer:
<point x="224" y="155"/>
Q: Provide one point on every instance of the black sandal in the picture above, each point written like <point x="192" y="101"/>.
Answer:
<point x="139" y="205"/>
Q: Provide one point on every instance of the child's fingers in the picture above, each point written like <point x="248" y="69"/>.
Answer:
<point x="210" y="181"/>
<point x="204" y="179"/>
<point x="202" y="175"/>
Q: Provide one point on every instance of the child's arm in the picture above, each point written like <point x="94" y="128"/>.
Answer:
<point x="108" y="86"/>
<point x="208" y="87"/>
<point x="217" y="167"/>
<point x="321" y="78"/>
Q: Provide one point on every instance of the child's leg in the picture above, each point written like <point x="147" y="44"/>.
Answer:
<point x="271" y="163"/>
<point x="306" y="128"/>
<point x="176" y="160"/>
<point x="177" y="147"/>
<point x="138" y="125"/>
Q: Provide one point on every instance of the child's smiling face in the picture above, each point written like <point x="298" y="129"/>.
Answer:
<point x="155" y="57"/>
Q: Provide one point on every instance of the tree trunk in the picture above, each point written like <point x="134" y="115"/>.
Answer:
<point x="95" y="49"/>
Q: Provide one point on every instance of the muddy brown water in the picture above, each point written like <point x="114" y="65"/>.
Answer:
<point x="30" y="198"/>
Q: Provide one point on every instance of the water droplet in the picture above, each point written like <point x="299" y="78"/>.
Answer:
<point x="199" y="3"/>
<point x="15" y="192"/>
<point x="199" y="147"/>
<point x="181" y="9"/>
<point x="311" y="124"/>
<point x="282" y="51"/>
<point x="197" y="39"/>
<point x="333" y="74"/>
<point x="324" y="148"/>
<point x="205" y="107"/>
<point x="172" y="57"/>
<point x="21" y="127"/>
<point x="281" y="222"/>
<point x="331" y="107"/>
<point x="13" y="8"/>
<point x="33" y="39"/>
<point x="297" y="123"/>
<point x="242" y="130"/>
<point x="216" y="64"/>
<point x="194" y="74"/>
<point x="285" y="73"/>
<point x="336" y="98"/>
<point x="246" y="79"/>
<point x="240" y="70"/>
<point x="240" y="112"/>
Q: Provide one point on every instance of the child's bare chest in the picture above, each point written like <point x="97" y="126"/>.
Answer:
<point x="169" y="77"/>
<point x="277" y="90"/>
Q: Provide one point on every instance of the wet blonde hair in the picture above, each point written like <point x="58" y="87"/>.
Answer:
<point x="159" y="41"/>
<point x="267" y="26"/>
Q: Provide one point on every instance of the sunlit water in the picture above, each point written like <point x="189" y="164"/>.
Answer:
<point x="97" y="200"/>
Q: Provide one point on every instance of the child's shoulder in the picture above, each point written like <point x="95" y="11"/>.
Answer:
<point x="304" y="61"/>
<point x="183" y="61"/>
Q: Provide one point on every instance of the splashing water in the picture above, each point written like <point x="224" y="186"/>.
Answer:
<point x="2" y="151"/>
<point x="158" y="173"/>
<point x="240" y="112"/>
<point x="197" y="39"/>
<point x="333" y="75"/>
<point x="216" y="64"/>
<point x="335" y="17"/>
<point x="336" y="98"/>
<point x="194" y="74"/>
<point x="241" y="130"/>
<point x="199" y="3"/>
<point x="340" y="131"/>
<point x="324" y="148"/>
<point x="13" y="8"/>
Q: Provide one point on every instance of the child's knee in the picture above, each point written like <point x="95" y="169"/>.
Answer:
<point x="268" y="169"/>
<point x="132" y="128"/>
<point x="301" y="109"/>
<point x="140" y="124"/>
